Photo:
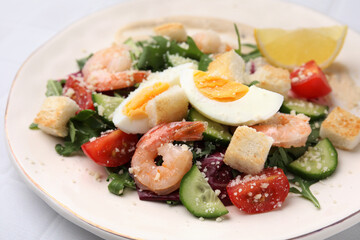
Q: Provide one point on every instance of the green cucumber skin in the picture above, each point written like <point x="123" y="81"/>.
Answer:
<point x="109" y="105"/>
<point x="286" y="108"/>
<point x="317" y="174"/>
<point x="223" y="137"/>
<point x="187" y="192"/>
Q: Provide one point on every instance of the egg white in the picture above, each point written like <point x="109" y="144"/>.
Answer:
<point x="134" y="126"/>
<point x="256" y="106"/>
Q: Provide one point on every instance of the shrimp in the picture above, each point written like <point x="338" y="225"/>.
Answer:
<point x="287" y="130"/>
<point x="208" y="42"/>
<point x="109" y="69"/>
<point x="177" y="160"/>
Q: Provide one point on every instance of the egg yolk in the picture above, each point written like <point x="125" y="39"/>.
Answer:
<point x="219" y="89"/>
<point x="135" y="108"/>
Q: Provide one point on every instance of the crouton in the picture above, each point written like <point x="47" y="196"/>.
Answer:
<point x="342" y="128"/>
<point x="169" y="106"/>
<point x="248" y="150"/>
<point x="229" y="66"/>
<point x="54" y="115"/>
<point x="273" y="79"/>
<point x="175" y="31"/>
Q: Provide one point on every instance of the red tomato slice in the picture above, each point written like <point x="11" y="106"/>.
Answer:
<point x="259" y="193"/>
<point x="111" y="150"/>
<point x="308" y="81"/>
<point x="80" y="94"/>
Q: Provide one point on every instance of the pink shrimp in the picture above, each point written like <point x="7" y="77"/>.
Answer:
<point x="109" y="69"/>
<point x="177" y="160"/>
<point x="287" y="130"/>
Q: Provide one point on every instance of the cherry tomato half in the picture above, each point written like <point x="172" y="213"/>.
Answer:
<point x="259" y="193"/>
<point x="79" y="93"/>
<point x="111" y="150"/>
<point x="309" y="81"/>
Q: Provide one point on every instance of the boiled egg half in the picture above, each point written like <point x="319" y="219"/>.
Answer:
<point x="158" y="100"/>
<point x="229" y="102"/>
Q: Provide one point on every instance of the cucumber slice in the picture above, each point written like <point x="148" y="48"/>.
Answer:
<point x="106" y="105"/>
<point x="198" y="197"/>
<point x="214" y="131"/>
<point x="317" y="163"/>
<point x="176" y="60"/>
<point x="312" y="110"/>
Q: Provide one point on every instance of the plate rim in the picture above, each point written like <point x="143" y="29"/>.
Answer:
<point x="86" y="224"/>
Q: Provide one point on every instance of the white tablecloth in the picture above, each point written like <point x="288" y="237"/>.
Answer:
<point x="24" y="26"/>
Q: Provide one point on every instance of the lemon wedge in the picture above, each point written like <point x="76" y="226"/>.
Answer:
<point x="291" y="48"/>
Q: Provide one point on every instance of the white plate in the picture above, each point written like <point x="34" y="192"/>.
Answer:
<point x="69" y="185"/>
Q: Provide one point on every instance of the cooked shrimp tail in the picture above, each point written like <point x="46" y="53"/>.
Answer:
<point x="177" y="159"/>
<point x="286" y="130"/>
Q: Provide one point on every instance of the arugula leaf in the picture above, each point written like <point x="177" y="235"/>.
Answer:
<point x="119" y="181"/>
<point x="278" y="158"/>
<point x="238" y="51"/>
<point x="85" y="125"/>
<point x="251" y="55"/>
<point x="207" y="148"/>
<point x="313" y="138"/>
<point x="53" y="88"/>
<point x="204" y="62"/>
<point x="305" y="189"/>
<point x="253" y="83"/>
<point x="34" y="126"/>
<point x="170" y="202"/>
<point x="81" y="62"/>
<point x="154" y="54"/>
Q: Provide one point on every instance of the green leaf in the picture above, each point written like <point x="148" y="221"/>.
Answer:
<point x="84" y="115"/>
<point x="81" y="62"/>
<point x="204" y="62"/>
<point x="119" y="181"/>
<point x="238" y="51"/>
<point x="154" y="54"/>
<point x="314" y="136"/>
<point x="253" y="83"/>
<point x="34" y="126"/>
<point x="254" y="46"/>
<point x="170" y="202"/>
<point x="84" y="126"/>
<point x="278" y="158"/>
<point x="72" y="131"/>
<point x="208" y="148"/>
<point x="67" y="149"/>
<point x="251" y="55"/>
<point x="53" y="88"/>
<point x="305" y="191"/>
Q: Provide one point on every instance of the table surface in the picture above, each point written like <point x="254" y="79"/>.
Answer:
<point x="24" y="26"/>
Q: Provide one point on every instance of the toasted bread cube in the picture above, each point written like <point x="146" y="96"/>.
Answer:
<point x="229" y="66"/>
<point x="248" y="150"/>
<point x="342" y="128"/>
<point x="175" y="31"/>
<point x="54" y="115"/>
<point x="169" y="106"/>
<point x="273" y="79"/>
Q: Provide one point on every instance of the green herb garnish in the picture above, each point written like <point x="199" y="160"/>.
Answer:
<point x="251" y="55"/>
<point x="305" y="189"/>
<point x="34" y="126"/>
<point x="53" y="88"/>
<point x="120" y="181"/>
<point x="85" y="125"/>
<point x="81" y="62"/>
